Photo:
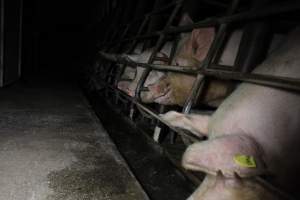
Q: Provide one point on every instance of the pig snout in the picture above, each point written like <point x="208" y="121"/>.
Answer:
<point x="157" y="92"/>
<point x="158" y="89"/>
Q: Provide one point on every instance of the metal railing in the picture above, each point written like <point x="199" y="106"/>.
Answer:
<point x="207" y="68"/>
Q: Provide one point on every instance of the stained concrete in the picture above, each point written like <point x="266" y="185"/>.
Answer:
<point x="52" y="147"/>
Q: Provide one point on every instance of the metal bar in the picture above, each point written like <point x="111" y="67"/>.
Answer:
<point x="156" y="116"/>
<point x="214" y="71"/>
<point x="155" y="50"/>
<point x="148" y="15"/>
<point x="131" y="49"/>
<point x="216" y="45"/>
<point x="249" y="15"/>
<point x="124" y="60"/>
<point x="261" y="79"/>
<point x="199" y="82"/>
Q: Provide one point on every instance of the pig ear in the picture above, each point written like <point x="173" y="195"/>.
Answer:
<point x="230" y="154"/>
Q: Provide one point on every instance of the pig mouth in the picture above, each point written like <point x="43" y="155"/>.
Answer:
<point x="164" y="98"/>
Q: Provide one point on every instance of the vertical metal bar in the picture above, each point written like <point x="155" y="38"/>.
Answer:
<point x="131" y="49"/>
<point x="199" y="82"/>
<point x="131" y="115"/>
<point x="157" y="130"/>
<point x="155" y="50"/>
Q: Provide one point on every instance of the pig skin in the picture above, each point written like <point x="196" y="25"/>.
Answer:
<point x="270" y="116"/>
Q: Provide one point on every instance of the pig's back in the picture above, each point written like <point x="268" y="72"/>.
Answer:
<point x="269" y="115"/>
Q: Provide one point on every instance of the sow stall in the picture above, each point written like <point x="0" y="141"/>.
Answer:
<point x="260" y="21"/>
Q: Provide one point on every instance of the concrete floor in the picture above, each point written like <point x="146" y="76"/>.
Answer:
<point x="52" y="147"/>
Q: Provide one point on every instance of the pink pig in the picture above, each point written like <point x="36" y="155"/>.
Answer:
<point x="253" y="132"/>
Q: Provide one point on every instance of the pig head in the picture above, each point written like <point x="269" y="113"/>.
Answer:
<point x="174" y="88"/>
<point x="129" y="86"/>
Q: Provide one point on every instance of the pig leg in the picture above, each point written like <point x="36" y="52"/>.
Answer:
<point x="197" y="124"/>
<point x="230" y="154"/>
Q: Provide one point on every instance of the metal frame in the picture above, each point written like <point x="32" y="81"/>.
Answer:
<point x="207" y="69"/>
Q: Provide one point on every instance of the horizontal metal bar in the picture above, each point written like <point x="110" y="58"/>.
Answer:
<point x="122" y="59"/>
<point x="249" y="15"/>
<point x="267" y="80"/>
<point x="261" y="79"/>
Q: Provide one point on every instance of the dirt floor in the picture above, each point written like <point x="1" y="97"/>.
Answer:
<point x="52" y="147"/>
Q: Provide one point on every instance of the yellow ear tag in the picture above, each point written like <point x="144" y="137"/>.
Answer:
<point x="245" y="161"/>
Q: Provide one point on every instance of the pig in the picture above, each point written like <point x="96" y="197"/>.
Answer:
<point x="130" y="86"/>
<point x="252" y="133"/>
<point x="192" y="49"/>
<point x="221" y="188"/>
<point x="174" y="88"/>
